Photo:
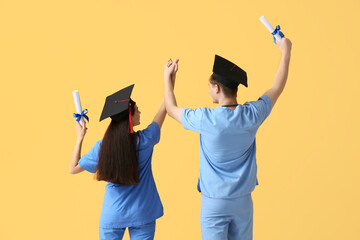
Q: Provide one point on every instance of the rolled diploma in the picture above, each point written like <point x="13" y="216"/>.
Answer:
<point x="78" y="105"/>
<point x="270" y="28"/>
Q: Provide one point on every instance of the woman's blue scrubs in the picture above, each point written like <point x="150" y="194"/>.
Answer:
<point x="227" y="166"/>
<point x="135" y="206"/>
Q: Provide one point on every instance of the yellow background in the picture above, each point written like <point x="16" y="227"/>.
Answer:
<point x="308" y="149"/>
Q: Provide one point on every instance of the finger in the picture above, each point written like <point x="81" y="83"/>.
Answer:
<point x="177" y="60"/>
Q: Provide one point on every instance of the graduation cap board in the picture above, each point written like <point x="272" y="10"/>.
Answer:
<point x="228" y="73"/>
<point x="118" y="106"/>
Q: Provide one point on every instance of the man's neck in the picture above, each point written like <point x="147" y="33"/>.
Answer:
<point x="228" y="101"/>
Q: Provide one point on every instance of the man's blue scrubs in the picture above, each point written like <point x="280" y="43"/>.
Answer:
<point x="227" y="166"/>
<point x="135" y="206"/>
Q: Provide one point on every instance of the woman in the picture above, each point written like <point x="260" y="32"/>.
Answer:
<point x="123" y="159"/>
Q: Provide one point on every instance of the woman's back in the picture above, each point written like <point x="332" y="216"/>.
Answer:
<point x="130" y="205"/>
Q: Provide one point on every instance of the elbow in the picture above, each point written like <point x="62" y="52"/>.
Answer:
<point x="72" y="171"/>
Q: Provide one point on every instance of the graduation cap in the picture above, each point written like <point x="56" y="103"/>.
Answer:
<point x="228" y="73"/>
<point x="118" y="106"/>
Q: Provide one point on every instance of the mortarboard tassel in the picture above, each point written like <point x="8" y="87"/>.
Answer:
<point x="130" y="129"/>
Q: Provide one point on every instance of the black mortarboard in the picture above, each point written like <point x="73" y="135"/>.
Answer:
<point x="117" y="105"/>
<point x="228" y="73"/>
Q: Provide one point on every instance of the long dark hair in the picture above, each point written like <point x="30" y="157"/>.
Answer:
<point x="118" y="158"/>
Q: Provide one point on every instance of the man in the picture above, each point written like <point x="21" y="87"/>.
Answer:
<point x="227" y="144"/>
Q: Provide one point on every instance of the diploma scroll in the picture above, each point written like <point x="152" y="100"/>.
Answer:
<point x="78" y="105"/>
<point x="270" y="28"/>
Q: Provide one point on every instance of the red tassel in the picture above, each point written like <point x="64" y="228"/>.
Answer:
<point x="130" y="130"/>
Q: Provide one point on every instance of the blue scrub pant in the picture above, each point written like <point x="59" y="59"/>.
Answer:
<point x="143" y="232"/>
<point x="226" y="219"/>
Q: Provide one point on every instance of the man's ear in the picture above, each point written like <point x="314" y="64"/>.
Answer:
<point x="217" y="88"/>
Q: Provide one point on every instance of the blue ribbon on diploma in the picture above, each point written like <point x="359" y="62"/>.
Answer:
<point x="277" y="30"/>
<point x="83" y="114"/>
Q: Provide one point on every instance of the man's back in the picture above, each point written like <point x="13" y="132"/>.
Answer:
<point x="227" y="146"/>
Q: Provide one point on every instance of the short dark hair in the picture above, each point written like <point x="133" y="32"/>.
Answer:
<point x="227" y="91"/>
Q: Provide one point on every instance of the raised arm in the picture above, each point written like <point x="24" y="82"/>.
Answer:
<point x="74" y="166"/>
<point x="282" y="72"/>
<point x="169" y="81"/>
<point x="160" y="115"/>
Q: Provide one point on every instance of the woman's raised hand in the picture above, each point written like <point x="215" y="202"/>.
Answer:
<point x="81" y="130"/>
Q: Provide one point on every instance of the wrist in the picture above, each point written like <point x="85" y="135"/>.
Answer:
<point x="286" y="55"/>
<point x="169" y="84"/>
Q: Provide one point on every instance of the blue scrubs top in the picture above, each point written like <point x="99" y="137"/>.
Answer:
<point x="134" y="205"/>
<point x="227" y="146"/>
